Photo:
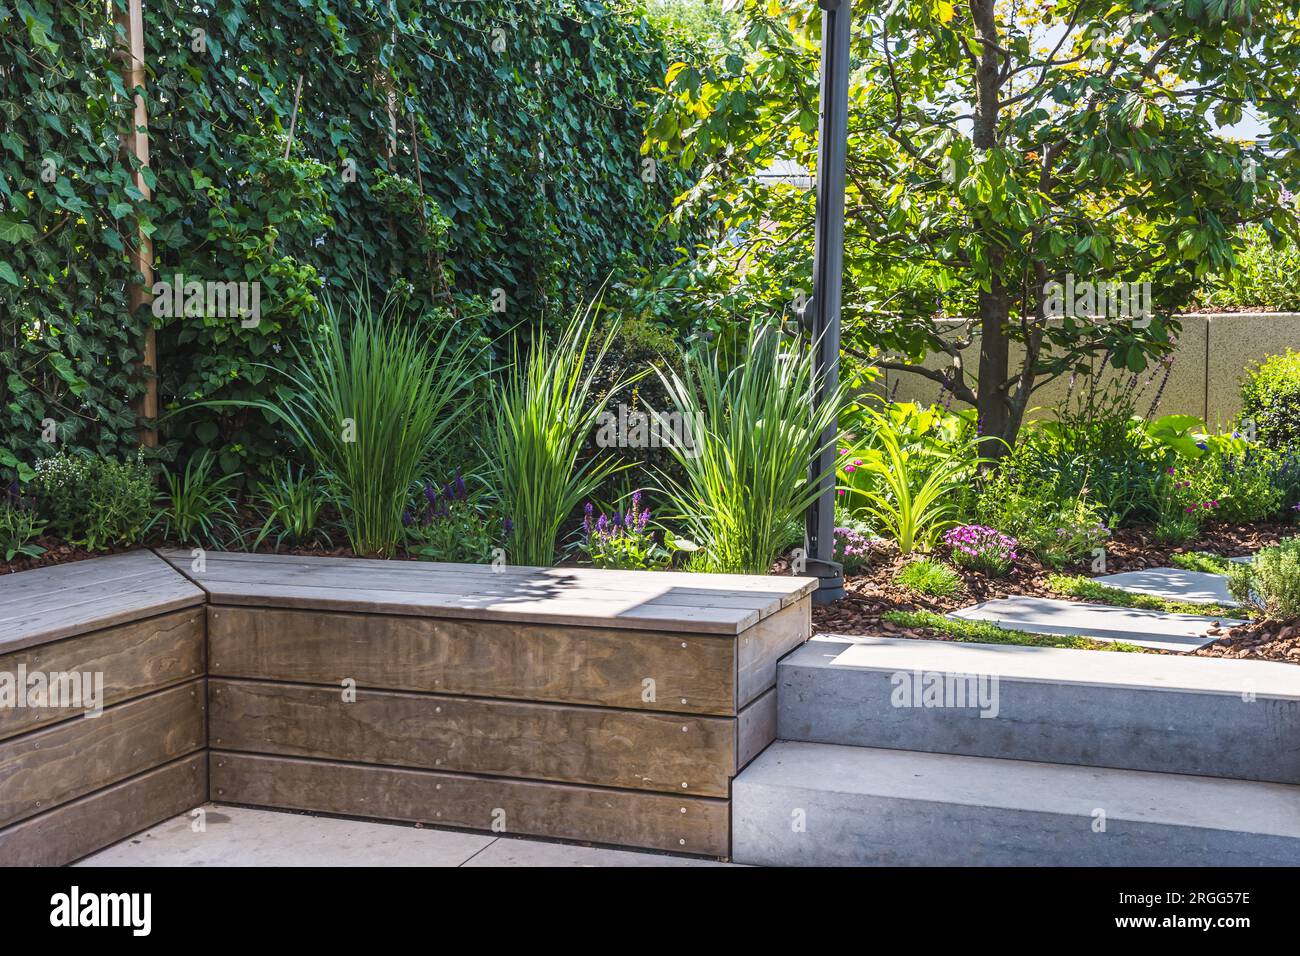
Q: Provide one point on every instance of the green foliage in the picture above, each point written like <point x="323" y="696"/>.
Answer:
<point x="1270" y="398"/>
<point x="1265" y="272"/>
<point x="292" y="502"/>
<point x="1235" y="481"/>
<point x="544" y="410"/>
<point x="95" y="503"/>
<point x="929" y="577"/>
<point x="371" y="402"/>
<point x="1097" y="448"/>
<point x="914" y="472"/>
<point x="68" y="344"/>
<point x="702" y="23"/>
<point x="643" y="348"/>
<point x="1201" y="561"/>
<point x="985" y="632"/>
<point x="625" y="541"/>
<point x="197" y="506"/>
<point x="1271" y="582"/>
<point x="1059" y="533"/>
<point x="512" y="162"/>
<point x="20" y="526"/>
<point x="453" y="525"/>
<point x="752" y="432"/>
<point x="966" y="198"/>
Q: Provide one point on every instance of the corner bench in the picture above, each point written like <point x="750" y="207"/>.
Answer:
<point x="601" y="706"/>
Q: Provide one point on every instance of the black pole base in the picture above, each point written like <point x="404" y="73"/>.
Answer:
<point x="830" y="580"/>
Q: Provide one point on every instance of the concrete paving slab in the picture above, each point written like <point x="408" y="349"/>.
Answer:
<point x="1174" y="584"/>
<point x="239" y="836"/>
<point x="1155" y="629"/>
<point x="1175" y="714"/>
<point x="824" y="805"/>
<point x="519" y="852"/>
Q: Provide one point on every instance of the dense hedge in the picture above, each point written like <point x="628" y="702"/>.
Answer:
<point x="67" y="343"/>
<point x="515" y="166"/>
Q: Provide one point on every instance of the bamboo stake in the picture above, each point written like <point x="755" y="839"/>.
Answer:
<point x="135" y="143"/>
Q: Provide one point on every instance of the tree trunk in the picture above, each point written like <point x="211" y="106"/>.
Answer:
<point x="996" y="416"/>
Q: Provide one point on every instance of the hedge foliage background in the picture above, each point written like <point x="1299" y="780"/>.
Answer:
<point x="441" y="148"/>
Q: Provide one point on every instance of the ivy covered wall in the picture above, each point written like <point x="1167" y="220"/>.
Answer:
<point x="483" y="158"/>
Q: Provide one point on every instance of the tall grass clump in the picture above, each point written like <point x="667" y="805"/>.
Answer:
<point x="751" y="430"/>
<point x="371" y="401"/>
<point x="543" y="410"/>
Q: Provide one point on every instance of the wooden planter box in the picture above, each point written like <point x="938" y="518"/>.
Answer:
<point x="71" y="784"/>
<point x="606" y="707"/>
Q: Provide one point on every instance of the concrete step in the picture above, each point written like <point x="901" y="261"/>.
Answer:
<point x="802" y="804"/>
<point x="1174" y="584"/>
<point x="1154" y="629"/>
<point x="1208" y="716"/>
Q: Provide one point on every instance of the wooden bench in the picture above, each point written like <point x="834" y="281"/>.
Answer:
<point x="70" y="784"/>
<point x="602" y="706"/>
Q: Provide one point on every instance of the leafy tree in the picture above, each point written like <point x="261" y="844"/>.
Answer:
<point x="995" y="149"/>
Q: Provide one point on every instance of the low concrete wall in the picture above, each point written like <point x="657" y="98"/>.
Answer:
<point x="1210" y="361"/>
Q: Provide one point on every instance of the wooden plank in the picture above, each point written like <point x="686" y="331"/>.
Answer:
<point x="386" y="573"/>
<point x="47" y="767"/>
<point x="722" y="604"/>
<point x="578" y="612"/>
<point x="475" y="589"/>
<point x="755" y="728"/>
<point x="587" y="745"/>
<point x="697" y="825"/>
<point x="49" y="604"/>
<point x="80" y="827"/>
<point x="759" y="648"/>
<point x="133" y="659"/>
<point x="542" y="662"/>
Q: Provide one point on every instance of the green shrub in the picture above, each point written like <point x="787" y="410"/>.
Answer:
<point x="197" y="507"/>
<point x="1270" y="398"/>
<point x="1096" y="448"/>
<point x="451" y="524"/>
<point x="1270" y="582"/>
<point x="1266" y="273"/>
<point x="1058" y="533"/>
<point x="929" y="577"/>
<point x="372" y="401"/>
<point x="19" y="528"/>
<point x="95" y="503"/>
<point x="544" y="411"/>
<point x="911" y="493"/>
<point x="1235" y="482"/>
<point x="291" y="504"/>
<point x="753" y="430"/>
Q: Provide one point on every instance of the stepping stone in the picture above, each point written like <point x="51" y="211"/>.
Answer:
<point x="1154" y="629"/>
<point x="1244" y="559"/>
<point x="1174" y="584"/>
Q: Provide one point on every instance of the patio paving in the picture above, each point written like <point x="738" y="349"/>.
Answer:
<point x="1155" y="629"/>
<point x="1174" y="584"/>
<point x="240" y="836"/>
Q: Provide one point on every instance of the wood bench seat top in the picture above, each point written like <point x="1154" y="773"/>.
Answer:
<point x="646" y="600"/>
<point x="65" y="600"/>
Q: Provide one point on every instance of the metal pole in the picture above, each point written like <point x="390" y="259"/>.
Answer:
<point x="821" y="315"/>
